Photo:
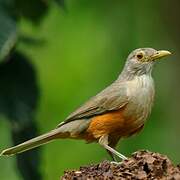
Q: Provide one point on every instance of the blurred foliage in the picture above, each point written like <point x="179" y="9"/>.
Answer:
<point x="83" y="51"/>
<point x="19" y="91"/>
<point x="11" y="11"/>
<point x="32" y="10"/>
<point x="19" y="94"/>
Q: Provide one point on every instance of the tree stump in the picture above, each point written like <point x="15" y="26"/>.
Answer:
<point x="141" y="165"/>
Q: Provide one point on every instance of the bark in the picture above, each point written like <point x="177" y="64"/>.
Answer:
<point x="141" y="165"/>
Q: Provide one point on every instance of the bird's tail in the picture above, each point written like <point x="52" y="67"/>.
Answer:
<point x="35" y="142"/>
<point x="72" y="129"/>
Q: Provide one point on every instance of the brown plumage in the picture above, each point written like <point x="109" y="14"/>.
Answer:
<point x="118" y="111"/>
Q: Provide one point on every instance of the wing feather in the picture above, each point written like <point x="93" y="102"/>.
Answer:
<point x="112" y="98"/>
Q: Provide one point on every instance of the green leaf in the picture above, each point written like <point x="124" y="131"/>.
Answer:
<point x="8" y="34"/>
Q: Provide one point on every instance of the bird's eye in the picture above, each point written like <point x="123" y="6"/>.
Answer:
<point x="140" y="55"/>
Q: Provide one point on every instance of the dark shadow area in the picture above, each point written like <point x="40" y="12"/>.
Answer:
<point x="19" y="94"/>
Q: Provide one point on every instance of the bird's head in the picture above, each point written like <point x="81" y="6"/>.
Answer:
<point x="141" y="61"/>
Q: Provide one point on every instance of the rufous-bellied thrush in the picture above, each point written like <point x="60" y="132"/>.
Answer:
<point x="120" y="110"/>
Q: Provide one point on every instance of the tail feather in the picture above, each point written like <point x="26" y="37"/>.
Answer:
<point x="71" y="129"/>
<point x="35" y="142"/>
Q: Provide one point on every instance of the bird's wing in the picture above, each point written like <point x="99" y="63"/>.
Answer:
<point x="112" y="98"/>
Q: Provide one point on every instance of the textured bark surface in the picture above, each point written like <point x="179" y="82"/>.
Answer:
<point x="141" y="165"/>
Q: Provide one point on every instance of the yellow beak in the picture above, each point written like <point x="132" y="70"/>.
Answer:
<point x="160" y="54"/>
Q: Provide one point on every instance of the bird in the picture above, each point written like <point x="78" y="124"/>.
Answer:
<point x="118" y="111"/>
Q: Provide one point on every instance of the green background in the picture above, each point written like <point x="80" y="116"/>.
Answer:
<point x="85" y="49"/>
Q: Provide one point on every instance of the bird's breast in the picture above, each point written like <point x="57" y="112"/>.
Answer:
<point x="140" y="91"/>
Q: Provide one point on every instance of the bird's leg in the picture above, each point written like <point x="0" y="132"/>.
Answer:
<point x="112" y="156"/>
<point x="103" y="141"/>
